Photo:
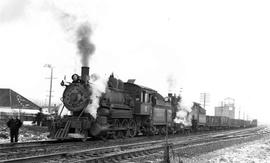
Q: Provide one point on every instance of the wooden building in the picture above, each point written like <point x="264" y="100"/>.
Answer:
<point x="12" y="103"/>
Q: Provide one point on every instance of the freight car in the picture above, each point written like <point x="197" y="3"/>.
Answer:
<point x="220" y="122"/>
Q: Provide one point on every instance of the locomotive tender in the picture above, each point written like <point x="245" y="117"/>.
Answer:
<point x="124" y="110"/>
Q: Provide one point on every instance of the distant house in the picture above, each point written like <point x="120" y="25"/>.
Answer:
<point x="198" y="113"/>
<point x="12" y="103"/>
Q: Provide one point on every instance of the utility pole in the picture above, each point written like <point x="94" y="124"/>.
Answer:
<point x="239" y="114"/>
<point x="167" y="147"/>
<point x="50" y="92"/>
<point x="204" y="99"/>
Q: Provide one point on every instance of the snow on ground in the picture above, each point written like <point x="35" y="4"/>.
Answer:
<point x="26" y="133"/>
<point x="257" y="151"/>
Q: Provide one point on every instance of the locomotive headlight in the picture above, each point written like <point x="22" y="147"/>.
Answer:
<point x="75" y="77"/>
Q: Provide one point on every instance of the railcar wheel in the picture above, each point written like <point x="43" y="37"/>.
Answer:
<point x="163" y="130"/>
<point x="114" y="136"/>
<point x="119" y="134"/>
<point x="116" y="123"/>
<point x="104" y="137"/>
<point x="127" y="133"/>
<point x="151" y="131"/>
<point x="125" y="125"/>
<point x="159" y="130"/>
<point x="132" y="128"/>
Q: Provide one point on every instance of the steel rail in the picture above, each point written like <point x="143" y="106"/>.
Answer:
<point x="96" y="153"/>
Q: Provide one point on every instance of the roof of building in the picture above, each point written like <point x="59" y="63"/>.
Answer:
<point x="10" y="98"/>
<point x="199" y="107"/>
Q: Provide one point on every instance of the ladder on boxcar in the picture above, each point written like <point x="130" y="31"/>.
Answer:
<point x="62" y="132"/>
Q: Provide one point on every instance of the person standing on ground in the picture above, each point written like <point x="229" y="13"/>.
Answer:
<point x="14" y="125"/>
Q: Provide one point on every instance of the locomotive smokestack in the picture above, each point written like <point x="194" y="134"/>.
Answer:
<point x="85" y="74"/>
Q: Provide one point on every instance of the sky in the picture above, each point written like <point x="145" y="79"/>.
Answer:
<point x="188" y="47"/>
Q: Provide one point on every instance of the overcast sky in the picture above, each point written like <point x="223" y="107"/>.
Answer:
<point x="218" y="47"/>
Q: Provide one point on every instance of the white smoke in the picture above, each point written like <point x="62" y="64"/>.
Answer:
<point x="12" y="10"/>
<point x="183" y="115"/>
<point x="172" y="82"/>
<point x="98" y="86"/>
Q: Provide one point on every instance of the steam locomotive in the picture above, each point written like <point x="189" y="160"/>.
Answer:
<point x="125" y="109"/>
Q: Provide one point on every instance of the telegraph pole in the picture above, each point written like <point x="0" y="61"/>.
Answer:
<point x="50" y="95"/>
<point x="50" y="92"/>
<point x="204" y="99"/>
<point x="239" y="114"/>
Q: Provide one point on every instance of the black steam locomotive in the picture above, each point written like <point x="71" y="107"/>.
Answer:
<point x="124" y="110"/>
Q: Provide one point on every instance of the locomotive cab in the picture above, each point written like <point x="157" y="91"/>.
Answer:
<point x="150" y="109"/>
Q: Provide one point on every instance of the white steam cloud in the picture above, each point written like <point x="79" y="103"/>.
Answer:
<point x="98" y="86"/>
<point x="183" y="115"/>
<point x="12" y="10"/>
<point x="172" y="82"/>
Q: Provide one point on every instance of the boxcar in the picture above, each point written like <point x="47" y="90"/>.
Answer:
<point x="224" y="122"/>
<point x="213" y="122"/>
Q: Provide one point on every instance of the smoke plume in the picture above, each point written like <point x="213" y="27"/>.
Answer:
<point x="86" y="48"/>
<point x="13" y="10"/>
<point x="183" y="115"/>
<point x="98" y="86"/>
<point x="82" y="29"/>
<point x="172" y="82"/>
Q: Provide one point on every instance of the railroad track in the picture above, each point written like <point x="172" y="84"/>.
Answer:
<point x="47" y="142"/>
<point x="128" y="151"/>
<point x="31" y="149"/>
<point x="20" y="144"/>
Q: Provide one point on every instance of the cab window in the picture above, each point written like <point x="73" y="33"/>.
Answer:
<point x="145" y="97"/>
<point x="149" y="98"/>
<point x="142" y="96"/>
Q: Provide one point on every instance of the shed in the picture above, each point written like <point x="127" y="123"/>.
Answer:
<point x="12" y="103"/>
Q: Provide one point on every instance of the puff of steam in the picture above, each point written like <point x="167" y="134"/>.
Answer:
<point x="98" y="87"/>
<point x="183" y="116"/>
<point x="85" y="46"/>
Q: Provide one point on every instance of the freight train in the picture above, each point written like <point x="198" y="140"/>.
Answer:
<point x="125" y="109"/>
